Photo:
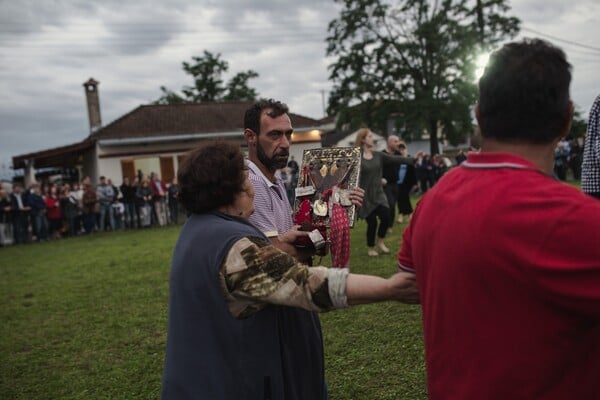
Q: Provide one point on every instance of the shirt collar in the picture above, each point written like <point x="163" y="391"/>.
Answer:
<point x="491" y="160"/>
<point x="258" y="172"/>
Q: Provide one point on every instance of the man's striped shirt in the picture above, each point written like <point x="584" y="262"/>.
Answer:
<point x="272" y="211"/>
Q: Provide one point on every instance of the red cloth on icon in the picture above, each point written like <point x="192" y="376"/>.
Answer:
<point x="339" y="236"/>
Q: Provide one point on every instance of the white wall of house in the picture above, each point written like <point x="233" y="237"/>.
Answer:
<point x="106" y="160"/>
<point x="146" y="157"/>
<point x="111" y="169"/>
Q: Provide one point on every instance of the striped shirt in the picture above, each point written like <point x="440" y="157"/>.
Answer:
<point x="272" y="211"/>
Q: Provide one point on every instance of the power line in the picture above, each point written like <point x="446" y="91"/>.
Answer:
<point x="561" y="40"/>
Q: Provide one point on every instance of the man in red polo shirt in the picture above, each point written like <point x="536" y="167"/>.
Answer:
<point x="507" y="258"/>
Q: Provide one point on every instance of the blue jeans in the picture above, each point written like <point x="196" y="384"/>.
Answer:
<point x="104" y="208"/>
<point x="40" y="225"/>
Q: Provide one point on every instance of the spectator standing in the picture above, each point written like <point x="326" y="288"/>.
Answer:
<point x="75" y="198"/>
<point x="128" y="198"/>
<point x="119" y="212"/>
<point x="575" y="159"/>
<point x="507" y="258"/>
<point x="6" y="228"/>
<point x="561" y="155"/>
<point x="20" y="213"/>
<point x="116" y="193"/>
<point x="590" y="173"/>
<point x="439" y="167"/>
<point x="460" y="157"/>
<point x="286" y="177"/>
<point x="173" y="194"/>
<point x="294" y="172"/>
<point x="38" y="205"/>
<point x="144" y="194"/>
<point x="89" y="201"/>
<point x="159" y="197"/>
<point x="424" y="170"/>
<point x="135" y="185"/>
<point x="106" y="196"/>
<point x="54" y="213"/>
<point x="69" y="210"/>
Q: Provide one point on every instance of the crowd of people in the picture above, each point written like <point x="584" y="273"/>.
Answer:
<point x="51" y="211"/>
<point x="502" y="257"/>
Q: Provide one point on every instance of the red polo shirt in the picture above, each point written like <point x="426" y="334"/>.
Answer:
<point x="508" y="266"/>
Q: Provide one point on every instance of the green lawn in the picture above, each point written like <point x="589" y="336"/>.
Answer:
<point x="86" y="318"/>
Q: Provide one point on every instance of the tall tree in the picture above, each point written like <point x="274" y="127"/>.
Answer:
<point x="207" y="72"/>
<point x="238" y="89"/>
<point x="414" y="59"/>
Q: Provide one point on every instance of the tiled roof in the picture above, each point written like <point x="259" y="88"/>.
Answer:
<point x="161" y="120"/>
<point x="181" y="119"/>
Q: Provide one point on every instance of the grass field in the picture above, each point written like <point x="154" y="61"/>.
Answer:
<point x="86" y="318"/>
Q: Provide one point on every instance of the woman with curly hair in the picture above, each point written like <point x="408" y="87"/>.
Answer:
<point x="240" y="310"/>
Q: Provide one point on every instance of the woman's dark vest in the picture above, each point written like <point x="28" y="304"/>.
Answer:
<point x="276" y="353"/>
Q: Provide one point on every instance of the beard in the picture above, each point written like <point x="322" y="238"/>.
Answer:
<point x="277" y="161"/>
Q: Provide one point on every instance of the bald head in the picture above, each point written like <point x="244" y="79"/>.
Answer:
<point x="392" y="143"/>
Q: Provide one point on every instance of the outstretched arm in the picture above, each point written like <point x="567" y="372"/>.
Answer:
<point x="364" y="289"/>
<point x="255" y="274"/>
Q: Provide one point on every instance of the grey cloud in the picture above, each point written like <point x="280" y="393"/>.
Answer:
<point x="134" y="30"/>
<point x="42" y="103"/>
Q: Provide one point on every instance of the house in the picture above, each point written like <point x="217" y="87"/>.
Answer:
<point x="152" y="138"/>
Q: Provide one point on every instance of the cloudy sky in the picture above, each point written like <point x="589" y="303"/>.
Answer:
<point x="49" y="48"/>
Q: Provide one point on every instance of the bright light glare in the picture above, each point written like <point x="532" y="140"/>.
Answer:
<point x="480" y="64"/>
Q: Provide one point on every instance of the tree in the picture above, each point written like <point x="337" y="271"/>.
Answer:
<point x="578" y="126"/>
<point x="414" y="59"/>
<point x="208" y="84"/>
<point x="238" y="89"/>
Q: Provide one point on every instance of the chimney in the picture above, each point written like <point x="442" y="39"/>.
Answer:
<point x="93" y="104"/>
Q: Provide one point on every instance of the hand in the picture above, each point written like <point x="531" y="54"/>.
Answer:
<point x="420" y="153"/>
<point x="403" y="287"/>
<point x="290" y="236"/>
<point x="357" y="196"/>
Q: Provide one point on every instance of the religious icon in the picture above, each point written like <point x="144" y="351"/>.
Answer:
<point x="327" y="176"/>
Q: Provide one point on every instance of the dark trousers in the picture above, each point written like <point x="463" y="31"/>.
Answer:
<point x="89" y="221"/>
<point x="21" y="226"/>
<point x="174" y="211"/>
<point x="383" y="213"/>
<point x="404" y="204"/>
<point x="132" y="219"/>
<point x="391" y="192"/>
